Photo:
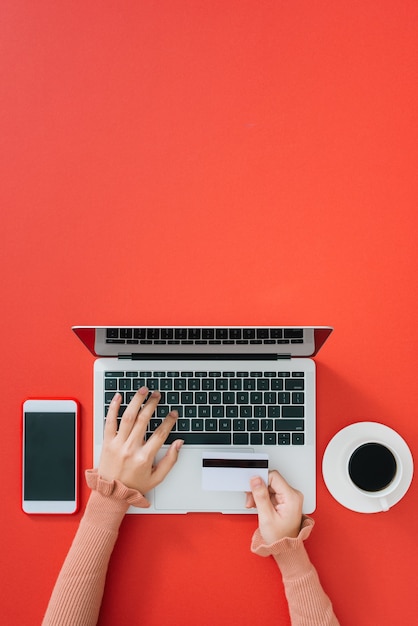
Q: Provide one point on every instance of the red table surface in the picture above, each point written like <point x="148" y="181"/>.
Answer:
<point x="243" y="162"/>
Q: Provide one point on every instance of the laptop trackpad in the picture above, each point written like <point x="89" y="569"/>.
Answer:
<point x="182" y="489"/>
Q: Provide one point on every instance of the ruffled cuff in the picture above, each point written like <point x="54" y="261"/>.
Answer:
<point x="115" y="489"/>
<point x="285" y="545"/>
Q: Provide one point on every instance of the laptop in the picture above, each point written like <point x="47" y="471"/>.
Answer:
<point x="244" y="390"/>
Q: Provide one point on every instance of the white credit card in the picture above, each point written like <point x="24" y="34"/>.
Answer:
<point x="232" y="471"/>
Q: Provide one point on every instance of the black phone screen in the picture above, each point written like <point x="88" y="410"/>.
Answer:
<point x="49" y="456"/>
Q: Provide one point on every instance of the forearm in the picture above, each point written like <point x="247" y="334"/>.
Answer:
<point x="78" y="591"/>
<point x="308" y="603"/>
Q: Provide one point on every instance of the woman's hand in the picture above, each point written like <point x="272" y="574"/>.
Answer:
<point x="279" y="507"/>
<point x="126" y="456"/>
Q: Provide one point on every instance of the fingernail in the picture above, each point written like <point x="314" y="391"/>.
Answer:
<point x="256" y="482"/>
<point x="116" y="397"/>
<point x="143" y="390"/>
<point x="179" y="444"/>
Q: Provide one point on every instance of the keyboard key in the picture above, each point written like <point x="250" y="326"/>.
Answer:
<point x="108" y="397"/>
<point x="256" y="439"/>
<point x="260" y="411"/>
<point x="293" y="333"/>
<point x="298" y="397"/>
<point x="283" y="439"/>
<point x="293" y="411"/>
<point x="294" y="384"/>
<point x="240" y="439"/>
<point x="270" y="397"/>
<point x="298" y="439"/>
<point x="208" y="384"/>
<point x="289" y="425"/>
<point x="263" y="384"/>
<point x="202" y="438"/>
<point x="269" y="439"/>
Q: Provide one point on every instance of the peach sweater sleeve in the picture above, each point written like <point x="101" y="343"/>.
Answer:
<point x="308" y="603"/>
<point x="78" y="591"/>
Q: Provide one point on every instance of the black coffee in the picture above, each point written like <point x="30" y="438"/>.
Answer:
<point x="372" y="467"/>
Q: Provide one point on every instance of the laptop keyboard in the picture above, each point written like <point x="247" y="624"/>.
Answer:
<point x="221" y="408"/>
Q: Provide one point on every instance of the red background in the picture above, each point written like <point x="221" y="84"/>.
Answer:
<point x="211" y="162"/>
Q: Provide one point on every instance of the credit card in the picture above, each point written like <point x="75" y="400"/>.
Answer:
<point x="232" y="471"/>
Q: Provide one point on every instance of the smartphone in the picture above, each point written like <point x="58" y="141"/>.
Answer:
<point x="50" y="436"/>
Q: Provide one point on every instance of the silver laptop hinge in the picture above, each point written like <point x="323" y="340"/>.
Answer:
<point x="147" y="356"/>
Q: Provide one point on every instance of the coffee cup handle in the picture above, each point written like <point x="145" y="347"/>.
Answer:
<point x="384" y="503"/>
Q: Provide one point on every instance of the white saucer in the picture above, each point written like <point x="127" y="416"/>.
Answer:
<point x="337" y="455"/>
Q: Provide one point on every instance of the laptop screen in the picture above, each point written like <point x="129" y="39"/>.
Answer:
<point x="194" y="341"/>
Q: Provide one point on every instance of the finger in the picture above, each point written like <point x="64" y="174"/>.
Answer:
<point x="111" y="425"/>
<point x="278" y="485"/>
<point x="161" y="433"/>
<point x="144" y="416"/>
<point x="130" y="414"/>
<point x="249" y="502"/>
<point x="261" y="496"/>
<point x="167" y="462"/>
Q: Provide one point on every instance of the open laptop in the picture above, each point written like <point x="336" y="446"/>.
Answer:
<point x="237" y="389"/>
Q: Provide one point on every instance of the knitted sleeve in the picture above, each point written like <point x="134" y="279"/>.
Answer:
<point x="308" y="603"/>
<point x="78" y="591"/>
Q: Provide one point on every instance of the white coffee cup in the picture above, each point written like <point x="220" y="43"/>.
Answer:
<point x="374" y="469"/>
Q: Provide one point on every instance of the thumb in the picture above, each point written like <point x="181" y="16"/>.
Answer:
<point x="261" y="495"/>
<point x="168" y="461"/>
